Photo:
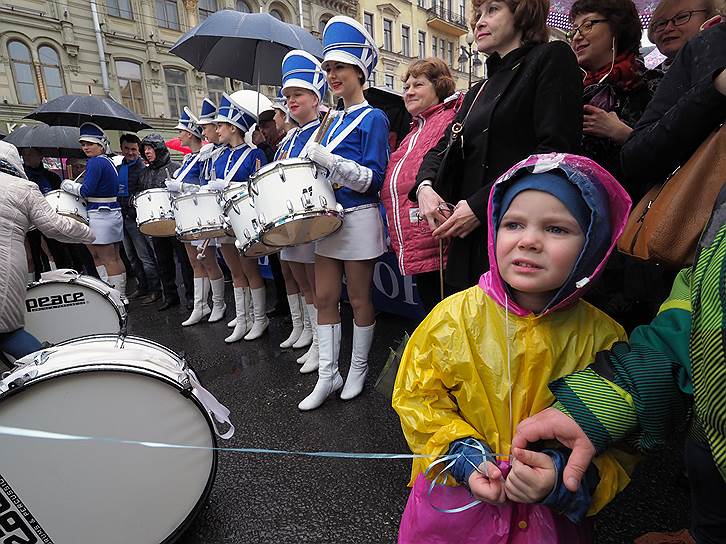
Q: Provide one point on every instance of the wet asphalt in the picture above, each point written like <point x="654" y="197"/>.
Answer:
<point x="289" y="499"/>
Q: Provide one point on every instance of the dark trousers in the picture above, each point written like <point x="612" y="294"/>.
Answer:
<point x="708" y="494"/>
<point x="74" y="256"/>
<point x="281" y="293"/>
<point x="165" y="248"/>
<point x="428" y="285"/>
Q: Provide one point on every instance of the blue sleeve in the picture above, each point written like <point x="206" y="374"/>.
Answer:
<point x="374" y="148"/>
<point x="92" y="178"/>
<point x="472" y="453"/>
<point x="573" y="506"/>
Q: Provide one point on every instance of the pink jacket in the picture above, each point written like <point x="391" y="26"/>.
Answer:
<point x="415" y="249"/>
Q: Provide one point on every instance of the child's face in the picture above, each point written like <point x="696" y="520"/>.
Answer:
<point x="538" y="242"/>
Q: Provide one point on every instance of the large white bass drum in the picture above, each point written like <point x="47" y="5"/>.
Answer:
<point x="295" y="202"/>
<point x="65" y="488"/>
<point x="65" y="304"/>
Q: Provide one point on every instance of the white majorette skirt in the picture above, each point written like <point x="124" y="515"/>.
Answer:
<point x="107" y="225"/>
<point x="304" y="253"/>
<point x="359" y="239"/>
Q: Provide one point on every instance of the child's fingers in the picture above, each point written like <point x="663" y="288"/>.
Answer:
<point x="534" y="459"/>
<point x="515" y="490"/>
<point x="492" y="471"/>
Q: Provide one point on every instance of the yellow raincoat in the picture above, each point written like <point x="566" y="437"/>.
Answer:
<point x="453" y="379"/>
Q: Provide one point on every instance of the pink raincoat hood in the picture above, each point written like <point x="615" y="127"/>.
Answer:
<point x="584" y="173"/>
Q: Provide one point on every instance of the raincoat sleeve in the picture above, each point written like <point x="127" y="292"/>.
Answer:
<point x="638" y="390"/>
<point x="430" y="368"/>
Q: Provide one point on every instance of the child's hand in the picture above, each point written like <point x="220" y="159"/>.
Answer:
<point x="488" y="485"/>
<point x="531" y="478"/>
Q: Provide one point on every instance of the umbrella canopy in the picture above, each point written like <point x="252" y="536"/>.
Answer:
<point x="559" y="16"/>
<point x="61" y="142"/>
<point x="176" y="145"/>
<point x="244" y="46"/>
<point x="74" y="110"/>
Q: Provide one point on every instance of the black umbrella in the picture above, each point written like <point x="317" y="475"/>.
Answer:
<point x="61" y="142"/>
<point x="244" y="46"/>
<point x="391" y="102"/>
<point x="74" y="110"/>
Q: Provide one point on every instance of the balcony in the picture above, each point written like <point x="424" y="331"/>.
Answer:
<point x="444" y="20"/>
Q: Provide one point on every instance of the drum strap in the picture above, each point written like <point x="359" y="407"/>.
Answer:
<point x="185" y="170"/>
<point x="330" y="146"/>
<point x="230" y="174"/>
<point x="217" y="410"/>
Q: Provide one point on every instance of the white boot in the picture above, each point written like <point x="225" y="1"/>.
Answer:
<point x="232" y="324"/>
<point x="362" y="340"/>
<point x="118" y="282"/>
<point x="306" y="338"/>
<point x="297" y="314"/>
<point x="201" y="308"/>
<point x="218" y="305"/>
<point x="259" y="305"/>
<point x="329" y="379"/>
<point x="311" y="362"/>
<point x="102" y="273"/>
<point x="243" y="325"/>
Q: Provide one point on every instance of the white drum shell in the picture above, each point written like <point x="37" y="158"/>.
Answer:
<point x="242" y="219"/>
<point x="70" y="306"/>
<point x="295" y="202"/>
<point x="155" y="212"/>
<point x="67" y="204"/>
<point x="199" y="215"/>
<point x="88" y="492"/>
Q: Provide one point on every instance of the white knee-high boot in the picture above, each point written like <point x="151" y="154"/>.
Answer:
<point x="118" y="282"/>
<point x="329" y="379"/>
<point x="201" y="308"/>
<point x="306" y="337"/>
<point x="259" y="306"/>
<point x="243" y="325"/>
<point x="362" y="340"/>
<point x="102" y="273"/>
<point x="311" y="363"/>
<point x="218" y="305"/>
<point x="298" y="320"/>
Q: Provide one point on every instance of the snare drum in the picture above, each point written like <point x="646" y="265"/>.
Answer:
<point x="155" y="212"/>
<point x="199" y="215"/>
<point x="295" y="202"/>
<point x="242" y="220"/>
<point x="105" y="491"/>
<point x="65" y="304"/>
<point x="69" y="205"/>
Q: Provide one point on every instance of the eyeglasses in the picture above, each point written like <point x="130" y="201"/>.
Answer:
<point x="584" y="29"/>
<point x="679" y="19"/>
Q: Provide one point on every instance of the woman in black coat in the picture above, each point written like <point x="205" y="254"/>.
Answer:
<point x="531" y="103"/>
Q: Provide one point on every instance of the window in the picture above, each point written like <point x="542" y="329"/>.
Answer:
<point x="421" y="44"/>
<point x="405" y="41"/>
<point x="372" y="79"/>
<point x="277" y="14"/>
<point x="387" y="35"/>
<point x="389" y="81"/>
<point x="206" y="8"/>
<point x="368" y="24"/>
<point x="129" y="80"/>
<point x="23" y="73"/>
<point x="324" y="21"/>
<point x="243" y="6"/>
<point x="442" y="48"/>
<point x="451" y="54"/>
<point x="119" y="8"/>
<point x="176" y="89"/>
<point x="462" y="9"/>
<point x="434" y="47"/>
<point x="421" y="3"/>
<point x="166" y="14"/>
<point x="215" y="88"/>
<point x="51" y="72"/>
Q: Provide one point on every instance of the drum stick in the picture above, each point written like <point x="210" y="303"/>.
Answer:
<point x="324" y="126"/>
<point x="258" y="164"/>
<point x="202" y="249"/>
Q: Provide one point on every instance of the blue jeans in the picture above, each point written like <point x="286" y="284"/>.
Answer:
<point x="18" y="343"/>
<point x="139" y="252"/>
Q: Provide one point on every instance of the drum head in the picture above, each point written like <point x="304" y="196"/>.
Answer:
<point x="91" y="492"/>
<point x="159" y="227"/>
<point x="58" y="310"/>
<point x="202" y="234"/>
<point x="301" y="230"/>
<point x="255" y="248"/>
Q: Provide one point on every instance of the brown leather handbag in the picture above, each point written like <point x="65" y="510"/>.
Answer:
<point x="666" y="224"/>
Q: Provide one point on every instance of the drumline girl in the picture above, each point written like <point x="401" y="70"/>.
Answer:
<point x="355" y="152"/>
<point x="207" y="272"/>
<point x="237" y="162"/>
<point x="100" y="188"/>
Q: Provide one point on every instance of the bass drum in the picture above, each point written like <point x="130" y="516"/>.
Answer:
<point x="65" y="304"/>
<point x="90" y="491"/>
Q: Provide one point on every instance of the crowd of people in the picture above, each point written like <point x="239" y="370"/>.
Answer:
<point x="521" y="188"/>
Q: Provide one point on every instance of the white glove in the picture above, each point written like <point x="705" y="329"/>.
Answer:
<point x="216" y="185"/>
<point x="176" y="186"/>
<point x="72" y="187"/>
<point x="341" y="171"/>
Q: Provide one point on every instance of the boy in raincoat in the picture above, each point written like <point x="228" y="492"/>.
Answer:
<point x="481" y="361"/>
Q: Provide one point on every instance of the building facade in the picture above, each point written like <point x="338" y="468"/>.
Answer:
<point x="49" y="48"/>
